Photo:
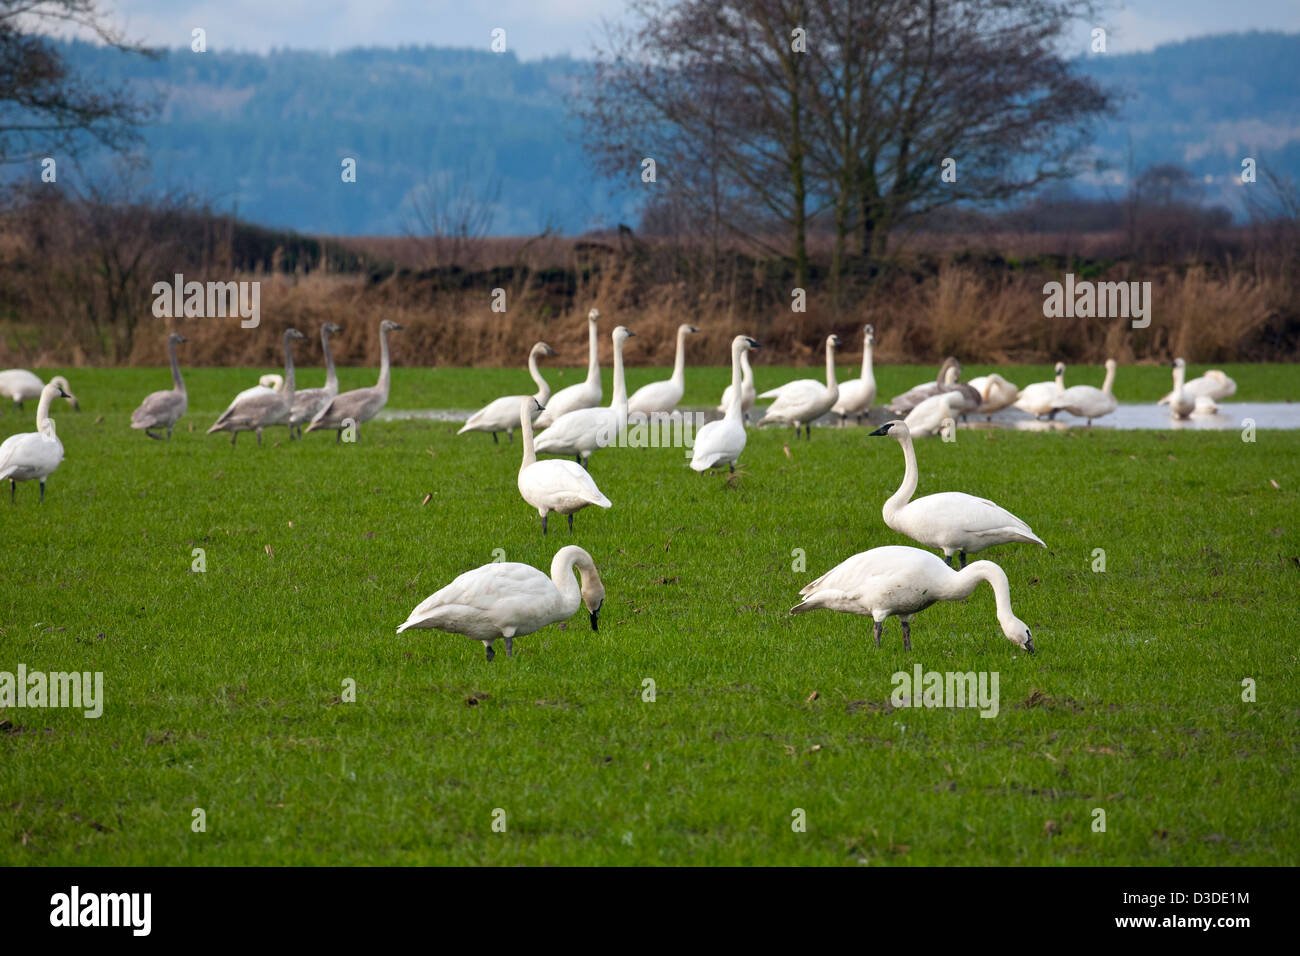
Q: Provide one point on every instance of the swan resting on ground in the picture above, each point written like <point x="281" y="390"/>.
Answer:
<point x="802" y="402"/>
<point x="664" y="396"/>
<point x="163" y="409"/>
<point x="995" y="392"/>
<point x="949" y="372"/>
<point x="555" y="484"/>
<point x="1085" y="401"/>
<point x="898" y="581"/>
<point x="267" y="384"/>
<point x="955" y="522"/>
<point x="586" y="394"/>
<point x="1215" y="384"/>
<point x="721" y="442"/>
<point x="34" y="455"/>
<point x="1036" y="399"/>
<point x="857" y="394"/>
<point x="507" y="599"/>
<point x="931" y="416"/>
<point x="502" y="414"/>
<point x="18" y="384"/>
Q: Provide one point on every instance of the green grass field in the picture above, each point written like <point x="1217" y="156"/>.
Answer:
<point x="224" y="688"/>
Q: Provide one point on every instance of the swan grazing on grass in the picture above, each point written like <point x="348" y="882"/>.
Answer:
<point x="949" y="372"/>
<point x="583" y="395"/>
<point x="33" y="455"/>
<point x="664" y="396"/>
<point x="955" y="522"/>
<point x="506" y="599"/>
<point x="581" y="432"/>
<point x="253" y="412"/>
<point x="1214" y="384"/>
<point x="1085" y="401"/>
<point x="308" y="401"/>
<point x="1036" y="399"/>
<point x="898" y="581"/>
<point x="995" y="393"/>
<point x="805" y="400"/>
<point x="502" y="414"/>
<point x="1181" y="405"/>
<point x="555" y="484"/>
<point x="857" y="394"/>
<point x="746" y="389"/>
<point x="721" y="442"/>
<point x="931" y="416"/>
<point x="18" y="384"/>
<point x="163" y="409"/>
<point x="361" y="404"/>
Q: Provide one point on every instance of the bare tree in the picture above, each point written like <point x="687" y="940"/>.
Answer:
<point x="450" y="212"/>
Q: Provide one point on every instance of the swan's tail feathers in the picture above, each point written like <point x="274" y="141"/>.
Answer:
<point x="218" y="425"/>
<point x="705" y="462"/>
<point x="600" y="500"/>
<point x="468" y="426"/>
<point x="816" y="600"/>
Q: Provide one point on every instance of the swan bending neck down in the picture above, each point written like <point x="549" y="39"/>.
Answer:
<point x="721" y="442"/>
<point x="953" y="521"/>
<point x="508" y="599"/>
<point x="897" y="581"/>
<point x="556" y="484"/>
<point x="33" y="455"/>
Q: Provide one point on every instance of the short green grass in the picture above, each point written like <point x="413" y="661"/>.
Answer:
<point x="224" y="687"/>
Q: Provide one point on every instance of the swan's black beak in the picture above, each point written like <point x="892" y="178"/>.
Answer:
<point x="882" y="430"/>
<point x="1029" y="645"/>
<point x="595" y="616"/>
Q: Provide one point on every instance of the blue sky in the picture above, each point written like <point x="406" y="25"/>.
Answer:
<point x="537" y="28"/>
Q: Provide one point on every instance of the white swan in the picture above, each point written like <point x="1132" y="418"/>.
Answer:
<point x="721" y="442"/>
<point x="506" y="599"/>
<point x="266" y="385"/>
<point x="258" y="411"/>
<point x="1036" y="399"/>
<point x="1214" y="384"/>
<point x="583" y="395"/>
<point x="898" y="581"/>
<point x="502" y="414"/>
<point x="1181" y="405"/>
<point x="33" y="455"/>
<point x="803" y="401"/>
<point x="361" y="404"/>
<point x="955" y="522"/>
<point x="18" y="384"/>
<point x="163" y="409"/>
<point x="995" y="392"/>
<point x="857" y="394"/>
<point x="308" y="401"/>
<point x="555" y="484"/>
<point x="581" y="432"/>
<point x="664" y="396"/>
<point x="931" y="416"/>
<point x="1085" y="401"/>
<point x="746" y="389"/>
<point x="949" y="373"/>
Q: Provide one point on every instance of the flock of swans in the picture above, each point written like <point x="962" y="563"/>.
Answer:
<point x="504" y="600"/>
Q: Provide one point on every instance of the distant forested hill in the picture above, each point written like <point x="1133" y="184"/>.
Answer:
<point x="264" y="135"/>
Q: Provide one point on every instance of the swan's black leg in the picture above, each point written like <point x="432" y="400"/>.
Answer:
<point x="544" y="524"/>
<point x="490" y="653"/>
<point x="733" y="467"/>
<point x="947" y="559"/>
<point x="42" y="493"/>
<point x="510" y="647"/>
<point x="963" y="559"/>
<point x="570" y="524"/>
<point x="578" y="457"/>
<point x="152" y="435"/>
<point x="259" y="436"/>
<point x="338" y="436"/>
<point x="233" y="436"/>
<point x="495" y="440"/>
<point x="13" y="486"/>
<point x="511" y="435"/>
<point x="169" y="432"/>
<point x="907" y="634"/>
<point x="878" y="628"/>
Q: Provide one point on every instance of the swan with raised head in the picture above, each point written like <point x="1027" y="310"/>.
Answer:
<point x="664" y="396"/>
<point x="995" y="393"/>
<point x="721" y="442"/>
<point x="30" y="456"/>
<point x="262" y="410"/>
<point x="931" y="416"/>
<point x="502" y="414"/>
<point x="857" y="394"/>
<point x="308" y="401"/>
<point x="361" y="404"/>
<point x="506" y="599"/>
<point x="163" y="409"/>
<point x="949" y="373"/>
<point x="555" y="484"/>
<point x="581" y="432"/>
<point x="18" y="385"/>
<point x="1181" y="405"/>
<point x="586" y="394"/>
<point x="1214" y="384"/>
<point x="1085" y="401"/>
<point x="746" y="389"/>
<point x="898" y="581"/>
<point x="805" y="400"/>
<point x="1036" y="399"/>
<point x="952" y="521"/>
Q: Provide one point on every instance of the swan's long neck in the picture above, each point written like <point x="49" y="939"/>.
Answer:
<point x="562" y="577"/>
<point x="43" y="409"/>
<point x="383" y="361"/>
<point x="1060" y="380"/>
<point x="620" y="385"/>
<point x="679" y="364"/>
<point x="176" y="369"/>
<point x="747" y="379"/>
<point x="1110" y="380"/>
<point x="830" y="367"/>
<point x="734" y="410"/>
<point x="543" y="390"/>
<point x="331" y="379"/>
<point x="526" y="426"/>
<point x="1180" y="376"/>
<point x="593" y="354"/>
<point x="908" y="488"/>
<point x="866" y="359"/>
<point x="962" y="584"/>
<point x="288" y="367"/>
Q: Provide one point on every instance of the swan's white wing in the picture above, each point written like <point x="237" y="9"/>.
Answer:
<point x="797" y="396"/>
<point x="501" y="414"/>
<point x="560" y="484"/>
<point x="487" y="600"/>
<point x="719" y="441"/>
<point x="966" y="515"/>
<point x="575" y="430"/>
<point x="655" y="397"/>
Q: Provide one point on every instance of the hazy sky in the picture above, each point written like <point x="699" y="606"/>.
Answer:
<point x="536" y="28"/>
